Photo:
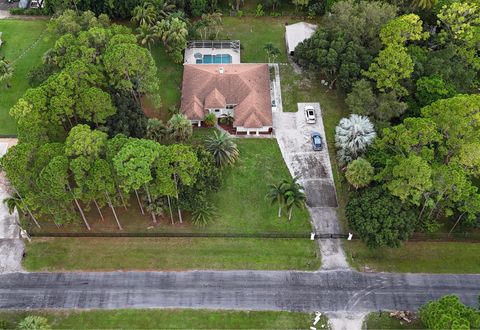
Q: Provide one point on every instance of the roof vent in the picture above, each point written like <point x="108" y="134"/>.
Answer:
<point x="220" y="70"/>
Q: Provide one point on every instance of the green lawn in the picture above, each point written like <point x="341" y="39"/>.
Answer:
<point x="254" y="33"/>
<point x="19" y="38"/>
<point x="168" y="319"/>
<point x="417" y="257"/>
<point x="241" y="201"/>
<point x="374" y="321"/>
<point x="106" y="254"/>
<point x="170" y="75"/>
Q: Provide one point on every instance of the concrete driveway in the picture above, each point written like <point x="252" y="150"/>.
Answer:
<point x="315" y="173"/>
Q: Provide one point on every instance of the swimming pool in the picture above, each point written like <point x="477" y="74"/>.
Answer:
<point x="215" y="59"/>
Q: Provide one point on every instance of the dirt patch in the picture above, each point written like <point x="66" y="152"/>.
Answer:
<point x="152" y="112"/>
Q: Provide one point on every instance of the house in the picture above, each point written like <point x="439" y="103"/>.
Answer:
<point x="239" y="90"/>
<point x="296" y="33"/>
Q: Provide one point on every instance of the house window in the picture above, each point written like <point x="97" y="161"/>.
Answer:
<point x="230" y="106"/>
<point x="217" y="110"/>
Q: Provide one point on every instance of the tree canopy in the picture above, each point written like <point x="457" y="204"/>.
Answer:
<point x="379" y="218"/>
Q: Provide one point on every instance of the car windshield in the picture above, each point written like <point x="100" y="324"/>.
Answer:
<point x="310" y="112"/>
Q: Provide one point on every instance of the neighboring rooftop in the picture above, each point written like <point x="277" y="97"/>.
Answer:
<point x="296" y="33"/>
<point x="207" y="86"/>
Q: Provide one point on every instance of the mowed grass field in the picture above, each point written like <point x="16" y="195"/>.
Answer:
<point x="110" y="254"/>
<point x="168" y="319"/>
<point x="170" y="75"/>
<point x="254" y="33"/>
<point x="416" y="257"/>
<point x="25" y="42"/>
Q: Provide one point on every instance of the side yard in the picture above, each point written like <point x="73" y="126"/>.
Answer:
<point x="416" y="257"/>
<point x="299" y="87"/>
<point x="168" y="319"/>
<point x="25" y="42"/>
<point x="241" y="208"/>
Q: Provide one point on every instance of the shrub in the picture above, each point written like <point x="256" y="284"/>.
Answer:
<point x="203" y="215"/>
<point x="29" y="11"/>
<point x="5" y="325"/>
<point x="448" y="312"/>
<point x="210" y="119"/>
<point x="198" y="7"/>
<point x="379" y="218"/>
<point x="359" y="173"/>
<point x="259" y="11"/>
<point x="33" y="322"/>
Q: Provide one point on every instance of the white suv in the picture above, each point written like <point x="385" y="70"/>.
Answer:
<point x="310" y="115"/>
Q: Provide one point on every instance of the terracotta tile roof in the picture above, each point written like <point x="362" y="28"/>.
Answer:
<point x="194" y="109"/>
<point x="247" y="85"/>
<point x="215" y="99"/>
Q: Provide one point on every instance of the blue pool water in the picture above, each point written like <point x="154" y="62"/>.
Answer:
<point x="215" y="59"/>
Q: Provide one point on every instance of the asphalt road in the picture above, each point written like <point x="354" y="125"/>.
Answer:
<point x="327" y="291"/>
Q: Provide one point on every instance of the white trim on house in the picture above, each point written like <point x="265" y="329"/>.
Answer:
<point x="253" y="131"/>
<point x="220" y="112"/>
<point x="196" y="122"/>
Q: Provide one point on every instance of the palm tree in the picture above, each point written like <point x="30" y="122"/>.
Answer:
<point x="203" y="215"/>
<point x="211" y="22"/>
<point x="228" y="119"/>
<point x="12" y="203"/>
<point x="179" y="127"/>
<point x="352" y="137"/>
<point x="144" y="15"/>
<point x="156" y="130"/>
<point x="16" y="201"/>
<point x="276" y="195"/>
<point x="293" y="196"/>
<point x="272" y="52"/>
<point x="146" y="35"/>
<point x="223" y="149"/>
<point x="173" y="32"/>
<point x="162" y="7"/>
<point x="6" y="72"/>
<point x="424" y="4"/>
